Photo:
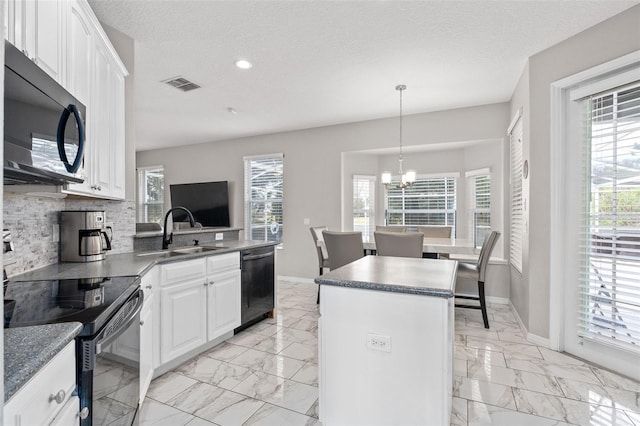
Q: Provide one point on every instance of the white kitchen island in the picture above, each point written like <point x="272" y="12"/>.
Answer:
<point x="386" y="342"/>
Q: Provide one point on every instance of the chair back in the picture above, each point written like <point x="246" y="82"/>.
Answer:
<point x="406" y="244"/>
<point x="391" y="228"/>
<point x="485" y="253"/>
<point x="436" y="231"/>
<point x="343" y="247"/>
<point x="316" y="233"/>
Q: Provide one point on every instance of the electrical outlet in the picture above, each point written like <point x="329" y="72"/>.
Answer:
<point x="55" y="233"/>
<point x="306" y="221"/>
<point x="219" y="236"/>
<point x="378" y="342"/>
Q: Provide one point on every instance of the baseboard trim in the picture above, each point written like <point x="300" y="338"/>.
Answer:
<point x="296" y="279"/>
<point x="538" y="340"/>
<point x="533" y="338"/>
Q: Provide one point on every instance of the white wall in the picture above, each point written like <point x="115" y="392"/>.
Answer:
<point x="610" y="39"/>
<point x="313" y="169"/>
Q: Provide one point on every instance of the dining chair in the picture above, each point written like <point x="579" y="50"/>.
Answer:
<point x="478" y="272"/>
<point x="391" y="228"/>
<point x="436" y="231"/>
<point x="406" y="244"/>
<point x="321" y="251"/>
<point x="343" y="247"/>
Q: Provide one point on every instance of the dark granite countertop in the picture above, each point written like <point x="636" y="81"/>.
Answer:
<point x="133" y="263"/>
<point x="426" y="277"/>
<point x="28" y="349"/>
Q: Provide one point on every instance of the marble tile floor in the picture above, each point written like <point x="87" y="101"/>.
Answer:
<point x="268" y="375"/>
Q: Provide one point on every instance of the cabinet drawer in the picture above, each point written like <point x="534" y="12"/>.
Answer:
<point x="69" y="416"/>
<point x="181" y="271"/>
<point x="32" y="404"/>
<point x="223" y="262"/>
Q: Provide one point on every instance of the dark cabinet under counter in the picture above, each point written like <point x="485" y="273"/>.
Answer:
<point x="258" y="285"/>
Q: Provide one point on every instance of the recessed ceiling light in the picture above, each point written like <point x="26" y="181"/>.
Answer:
<point x="243" y="64"/>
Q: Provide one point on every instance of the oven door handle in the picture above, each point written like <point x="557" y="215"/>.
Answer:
<point x="256" y="256"/>
<point x="103" y="341"/>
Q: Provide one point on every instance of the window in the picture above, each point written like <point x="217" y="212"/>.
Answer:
<point x="480" y="185"/>
<point x="517" y="222"/>
<point x="610" y="288"/>
<point x="150" y="194"/>
<point x="364" y="203"/>
<point x="429" y="201"/>
<point x="263" y="185"/>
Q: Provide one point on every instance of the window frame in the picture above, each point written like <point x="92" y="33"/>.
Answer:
<point x="370" y="226"/>
<point x="516" y="181"/>
<point x="142" y="211"/>
<point x="472" y="183"/>
<point x="454" y="176"/>
<point x="250" y="225"/>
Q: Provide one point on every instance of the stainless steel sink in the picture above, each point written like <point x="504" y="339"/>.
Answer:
<point x="179" y="251"/>
<point x="196" y="249"/>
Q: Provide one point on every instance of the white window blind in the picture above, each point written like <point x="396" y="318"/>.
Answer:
<point x="429" y="201"/>
<point x="150" y="194"/>
<point x="517" y="223"/>
<point x="263" y="194"/>
<point x="364" y="204"/>
<point x="610" y="280"/>
<point x="481" y="208"/>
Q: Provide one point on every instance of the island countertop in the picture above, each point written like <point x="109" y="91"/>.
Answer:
<point x="427" y="277"/>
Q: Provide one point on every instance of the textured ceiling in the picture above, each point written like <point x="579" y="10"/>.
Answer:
<point x="319" y="63"/>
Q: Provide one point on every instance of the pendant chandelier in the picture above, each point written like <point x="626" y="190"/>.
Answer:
<point x="406" y="179"/>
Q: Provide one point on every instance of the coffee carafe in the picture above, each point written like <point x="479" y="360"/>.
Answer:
<point x="84" y="236"/>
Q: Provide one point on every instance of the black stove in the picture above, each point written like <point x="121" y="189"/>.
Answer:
<point x="107" y="372"/>
<point x="91" y="301"/>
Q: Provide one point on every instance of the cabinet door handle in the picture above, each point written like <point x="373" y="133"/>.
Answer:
<point x="84" y="413"/>
<point x="206" y="283"/>
<point x="149" y="287"/>
<point x="59" y="397"/>
<point x="141" y="323"/>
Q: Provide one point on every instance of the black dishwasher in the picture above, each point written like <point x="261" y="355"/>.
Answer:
<point x="257" y="285"/>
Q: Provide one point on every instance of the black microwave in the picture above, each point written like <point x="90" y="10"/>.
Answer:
<point x="44" y="135"/>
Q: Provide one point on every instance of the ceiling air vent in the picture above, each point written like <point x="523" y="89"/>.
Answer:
<point x="181" y="83"/>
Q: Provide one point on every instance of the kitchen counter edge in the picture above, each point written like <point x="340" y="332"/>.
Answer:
<point x="28" y="349"/>
<point x="128" y="264"/>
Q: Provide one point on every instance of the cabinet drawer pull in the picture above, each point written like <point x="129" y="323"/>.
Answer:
<point x="206" y="283"/>
<point x="141" y="323"/>
<point x="149" y="287"/>
<point x="84" y="413"/>
<point x="59" y="397"/>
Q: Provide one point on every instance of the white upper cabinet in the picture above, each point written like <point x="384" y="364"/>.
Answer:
<point x="36" y="28"/>
<point x="65" y="39"/>
<point x="79" y="52"/>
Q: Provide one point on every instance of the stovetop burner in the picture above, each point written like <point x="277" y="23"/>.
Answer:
<point x="91" y="301"/>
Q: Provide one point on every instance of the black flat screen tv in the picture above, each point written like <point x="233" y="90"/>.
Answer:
<point x="207" y="201"/>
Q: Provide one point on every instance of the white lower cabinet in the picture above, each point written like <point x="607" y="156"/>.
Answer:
<point x="47" y="398"/>
<point x="146" y="346"/>
<point x="199" y="302"/>
<point x="223" y="301"/>
<point x="183" y="323"/>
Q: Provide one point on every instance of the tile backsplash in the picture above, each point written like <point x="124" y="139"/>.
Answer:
<point x="31" y="218"/>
